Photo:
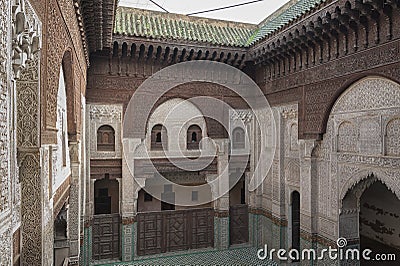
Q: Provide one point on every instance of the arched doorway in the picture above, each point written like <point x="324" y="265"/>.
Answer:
<point x="106" y="220"/>
<point x="238" y="212"/>
<point x="61" y="249"/>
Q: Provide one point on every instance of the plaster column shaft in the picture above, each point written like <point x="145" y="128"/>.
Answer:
<point x="74" y="203"/>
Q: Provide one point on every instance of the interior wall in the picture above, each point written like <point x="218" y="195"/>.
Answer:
<point x="235" y="194"/>
<point x="147" y="206"/>
<point x="155" y="204"/>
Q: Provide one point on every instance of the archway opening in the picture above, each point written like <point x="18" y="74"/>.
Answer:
<point x="106" y="221"/>
<point x="379" y="220"/>
<point x="61" y="251"/>
<point x="295" y="211"/>
<point x="238" y="138"/>
<point x="369" y="219"/>
<point x="238" y="211"/>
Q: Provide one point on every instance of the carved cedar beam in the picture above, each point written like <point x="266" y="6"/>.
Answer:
<point x="364" y="8"/>
<point x="376" y="4"/>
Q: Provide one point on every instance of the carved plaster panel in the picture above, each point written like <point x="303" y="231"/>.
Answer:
<point x="6" y="161"/>
<point x="368" y="94"/>
<point x="361" y="132"/>
<point x="292" y="173"/>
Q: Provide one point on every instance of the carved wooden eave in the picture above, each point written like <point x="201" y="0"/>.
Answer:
<point x="324" y="25"/>
<point x="81" y="25"/>
<point x="98" y="20"/>
<point x="167" y="52"/>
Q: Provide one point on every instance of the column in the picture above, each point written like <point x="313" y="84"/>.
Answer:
<point x="27" y="75"/>
<point x="308" y="195"/>
<point x="74" y="203"/>
<point x="129" y="195"/>
<point x="220" y="192"/>
<point x="31" y="209"/>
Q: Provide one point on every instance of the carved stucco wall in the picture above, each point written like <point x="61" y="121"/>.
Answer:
<point x="18" y="46"/>
<point x="26" y="66"/>
<point x="242" y="119"/>
<point x="361" y="139"/>
<point x="100" y="115"/>
<point x="267" y="184"/>
<point x="177" y="115"/>
<point x="6" y="155"/>
<point x="284" y="175"/>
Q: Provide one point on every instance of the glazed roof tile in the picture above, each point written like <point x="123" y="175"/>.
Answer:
<point x="158" y="25"/>
<point x="283" y="16"/>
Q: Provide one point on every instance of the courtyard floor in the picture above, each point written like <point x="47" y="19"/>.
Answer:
<point x="240" y="256"/>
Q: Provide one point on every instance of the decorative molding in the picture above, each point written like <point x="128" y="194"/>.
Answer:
<point x="289" y="113"/>
<point x="105" y="112"/>
<point x="371" y="160"/>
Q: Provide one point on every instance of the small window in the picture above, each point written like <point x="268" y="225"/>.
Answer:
<point x="105" y="139"/>
<point x="159" y="137"/>
<point x="195" y="195"/>
<point x="193" y="137"/>
<point x="238" y="135"/>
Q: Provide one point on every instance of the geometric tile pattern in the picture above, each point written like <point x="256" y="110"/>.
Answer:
<point x="240" y="256"/>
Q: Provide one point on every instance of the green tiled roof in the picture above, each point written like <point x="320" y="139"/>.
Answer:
<point x="287" y="13"/>
<point x="159" y="25"/>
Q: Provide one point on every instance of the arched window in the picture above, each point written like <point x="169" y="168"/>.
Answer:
<point x="105" y="139"/>
<point x="193" y="137"/>
<point x="159" y="137"/>
<point x="238" y="135"/>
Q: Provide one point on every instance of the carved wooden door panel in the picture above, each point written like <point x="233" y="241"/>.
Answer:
<point x="176" y="230"/>
<point x="239" y="224"/>
<point x="150" y="238"/>
<point x="106" y="242"/>
<point x="202" y="229"/>
<point x="168" y="231"/>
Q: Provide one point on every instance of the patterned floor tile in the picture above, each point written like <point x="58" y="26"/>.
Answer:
<point x="235" y="257"/>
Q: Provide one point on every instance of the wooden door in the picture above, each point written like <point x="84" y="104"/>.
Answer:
<point x="239" y="224"/>
<point x="106" y="241"/>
